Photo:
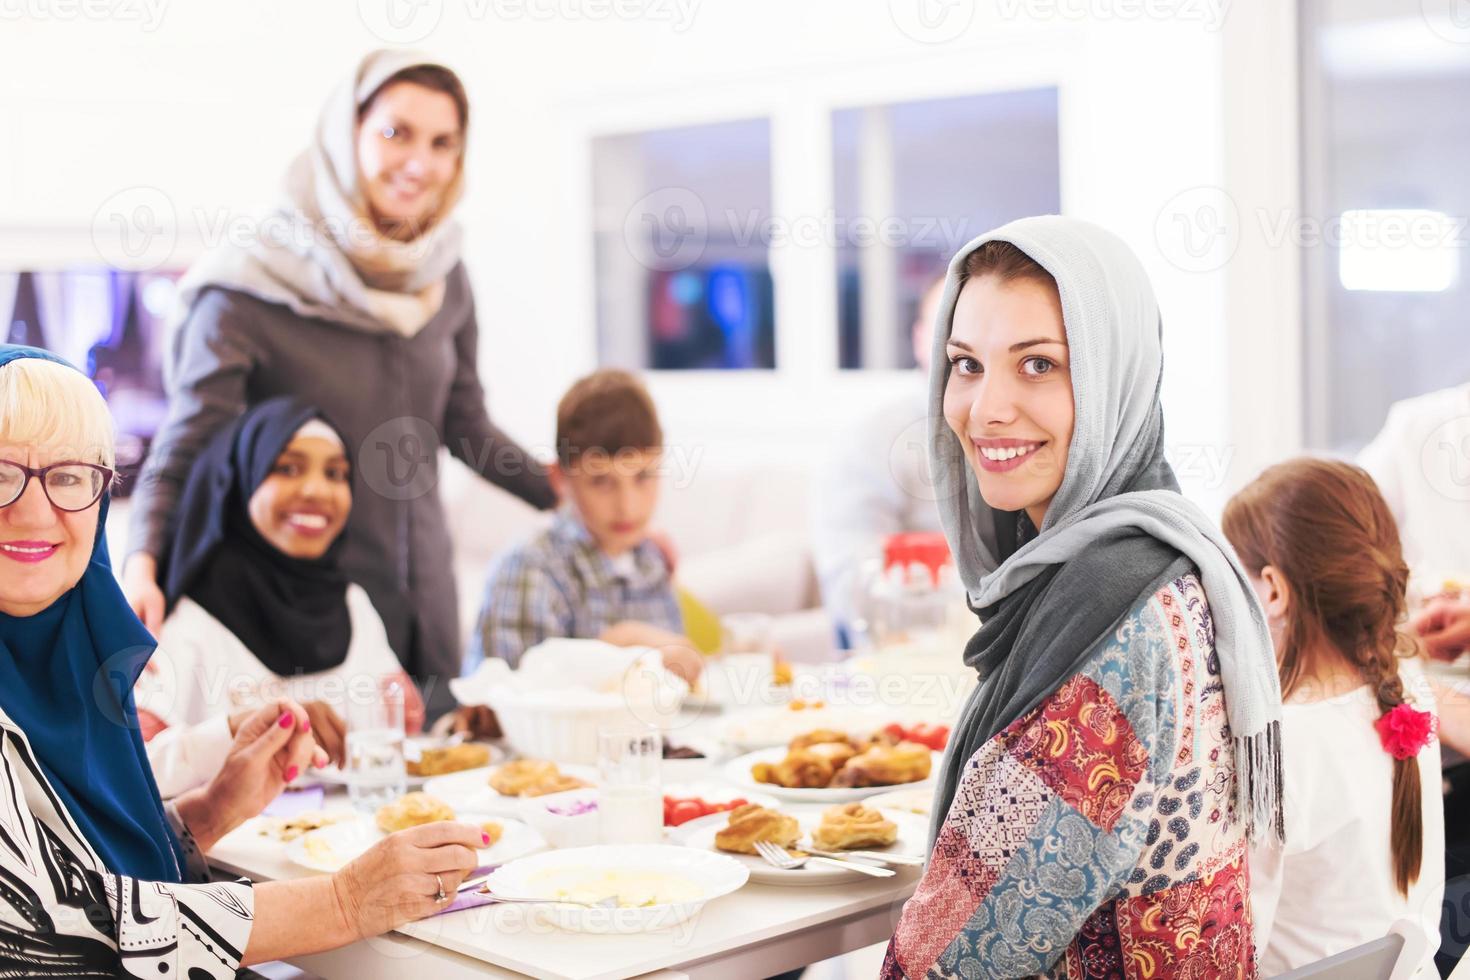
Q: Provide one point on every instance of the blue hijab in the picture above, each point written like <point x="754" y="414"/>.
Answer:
<point x="66" y="678"/>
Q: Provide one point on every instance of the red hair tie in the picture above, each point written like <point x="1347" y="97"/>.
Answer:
<point x="1405" y="730"/>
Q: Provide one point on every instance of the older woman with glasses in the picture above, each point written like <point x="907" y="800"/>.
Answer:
<point x="98" y="878"/>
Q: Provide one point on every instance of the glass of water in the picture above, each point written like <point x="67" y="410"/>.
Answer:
<point x="375" y="769"/>
<point x="630" y="804"/>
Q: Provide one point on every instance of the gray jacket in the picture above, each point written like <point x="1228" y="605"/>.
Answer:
<point x="396" y="399"/>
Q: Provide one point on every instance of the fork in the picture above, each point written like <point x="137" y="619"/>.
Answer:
<point x="905" y="860"/>
<point x="477" y="884"/>
<point x="778" y="857"/>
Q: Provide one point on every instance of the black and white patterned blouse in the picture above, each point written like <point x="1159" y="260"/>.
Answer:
<point x="63" y="914"/>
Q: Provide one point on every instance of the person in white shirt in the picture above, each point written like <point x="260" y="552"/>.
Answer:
<point x="876" y="483"/>
<point x="1421" y="462"/>
<point x="259" y="606"/>
<point x="1364" y="842"/>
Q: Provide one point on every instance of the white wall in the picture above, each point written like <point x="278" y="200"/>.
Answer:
<point x="208" y="105"/>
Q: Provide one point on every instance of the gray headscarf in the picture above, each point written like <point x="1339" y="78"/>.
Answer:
<point x="1117" y="529"/>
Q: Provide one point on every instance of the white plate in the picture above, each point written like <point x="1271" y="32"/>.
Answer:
<point x="916" y="801"/>
<point x="738" y="772"/>
<point x="768" y="727"/>
<point x="332" y="776"/>
<point x="471" y="791"/>
<point x="913" y="833"/>
<point x="543" y="875"/>
<point x="338" y="844"/>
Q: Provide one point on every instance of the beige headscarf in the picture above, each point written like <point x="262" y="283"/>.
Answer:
<point x="319" y="251"/>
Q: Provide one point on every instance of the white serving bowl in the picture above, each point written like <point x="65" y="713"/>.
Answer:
<point x="543" y="875"/>
<point x="566" y="690"/>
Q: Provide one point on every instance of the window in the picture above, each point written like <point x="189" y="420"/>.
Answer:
<point x="914" y="181"/>
<point x="108" y="322"/>
<point x="682" y="254"/>
<point x="1385" y="199"/>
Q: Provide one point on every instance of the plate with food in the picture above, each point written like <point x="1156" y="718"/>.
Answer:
<point x="423" y="759"/>
<point x="498" y="788"/>
<point x="841" y="828"/>
<point x="652" y="886"/>
<point x="916" y="801"/>
<point x="331" y="847"/>
<point x="765" y="728"/>
<point x="686" y="802"/>
<point x="828" y="766"/>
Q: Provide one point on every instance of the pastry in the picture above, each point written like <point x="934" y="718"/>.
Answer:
<point x="492" y="830"/>
<point x="851" y="826"/>
<point x="412" y="810"/>
<point x="751" y="823"/>
<point x="449" y="758"/>
<point x="514" y="778"/>
<point x="906" y="762"/>
<point x="801" y="769"/>
<point x="558" y="782"/>
<point x="817" y="736"/>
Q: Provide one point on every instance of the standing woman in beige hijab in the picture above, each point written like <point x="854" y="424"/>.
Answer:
<point x="353" y="295"/>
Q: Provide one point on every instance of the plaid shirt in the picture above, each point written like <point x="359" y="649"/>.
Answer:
<point x="560" y="584"/>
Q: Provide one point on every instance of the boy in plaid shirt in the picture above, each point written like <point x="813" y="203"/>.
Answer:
<point x="593" y="573"/>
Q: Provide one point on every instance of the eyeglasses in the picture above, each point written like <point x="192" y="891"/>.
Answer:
<point x="69" y="486"/>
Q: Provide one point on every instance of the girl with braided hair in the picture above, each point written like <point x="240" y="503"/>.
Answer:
<point x="1364" y="842"/>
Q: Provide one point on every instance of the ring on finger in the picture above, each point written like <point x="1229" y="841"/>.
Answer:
<point x="440" y="897"/>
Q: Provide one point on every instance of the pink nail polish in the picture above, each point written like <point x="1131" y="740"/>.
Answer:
<point x="286" y="720"/>
<point x="485" y="838"/>
<point x="291" y="773"/>
<point x="306" y="724"/>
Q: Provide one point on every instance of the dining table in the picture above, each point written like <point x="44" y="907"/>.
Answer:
<point x="760" y="930"/>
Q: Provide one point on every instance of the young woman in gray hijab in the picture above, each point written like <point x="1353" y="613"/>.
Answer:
<point x="353" y="296"/>
<point x="1122" y="749"/>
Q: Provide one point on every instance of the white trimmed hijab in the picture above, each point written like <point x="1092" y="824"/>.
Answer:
<point x="319" y="251"/>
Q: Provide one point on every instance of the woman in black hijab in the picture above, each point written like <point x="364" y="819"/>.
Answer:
<point x="259" y="606"/>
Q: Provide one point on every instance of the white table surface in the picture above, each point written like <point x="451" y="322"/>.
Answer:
<point x="759" y="931"/>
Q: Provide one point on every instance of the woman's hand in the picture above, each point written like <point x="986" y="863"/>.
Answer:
<point x="140" y="585"/>
<point x="1444" y="626"/>
<point x="398" y="879"/>
<point x="329" y="730"/>
<point x="270" y="749"/>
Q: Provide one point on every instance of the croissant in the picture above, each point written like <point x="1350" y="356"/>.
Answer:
<point x="412" y="810"/>
<point x="801" y="769"/>
<point x="906" y="762"/>
<point x="751" y="823"/>
<point x="852" y="825"/>
<point x="514" y="778"/>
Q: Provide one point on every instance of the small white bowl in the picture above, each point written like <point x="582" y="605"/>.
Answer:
<point x="580" y="830"/>
<point x="542" y="875"/>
